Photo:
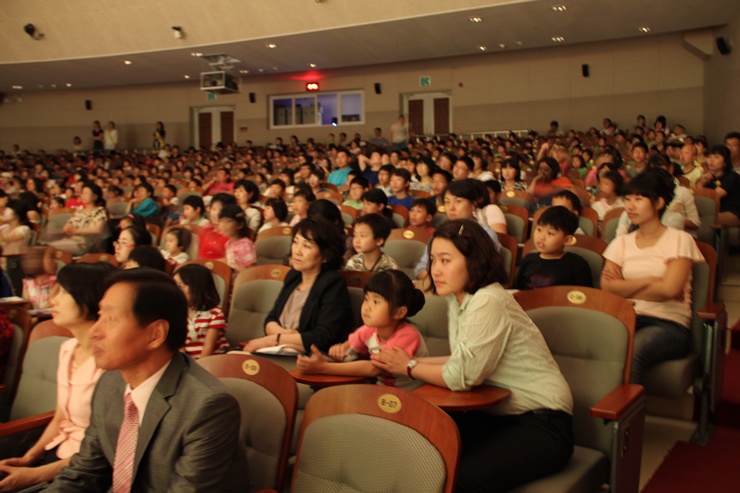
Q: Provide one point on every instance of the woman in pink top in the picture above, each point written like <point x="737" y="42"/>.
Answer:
<point x="74" y="307"/>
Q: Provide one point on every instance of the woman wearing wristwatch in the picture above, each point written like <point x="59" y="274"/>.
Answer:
<point x="492" y="342"/>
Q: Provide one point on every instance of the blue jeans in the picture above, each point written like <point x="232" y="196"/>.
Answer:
<point x="656" y="340"/>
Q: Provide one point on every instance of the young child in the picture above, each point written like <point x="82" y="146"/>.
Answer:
<point x="369" y="234"/>
<point x="276" y="188"/>
<point x="551" y="265"/>
<point x="206" y="322"/>
<point x="302" y="200"/>
<point x="610" y="187"/>
<point x="384" y="178"/>
<point x="376" y="202"/>
<point x="421" y="214"/>
<point x="176" y="242"/>
<point x="145" y="256"/>
<point x="357" y="187"/>
<point x="232" y="223"/>
<point x="38" y="264"/>
<point x="192" y="211"/>
<point x="275" y="213"/>
<point x="400" y="183"/>
<point x="390" y="297"/>
<point x="570" y="201"/>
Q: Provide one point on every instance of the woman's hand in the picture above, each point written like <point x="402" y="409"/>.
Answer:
<point x="612" y="272"/>
<point x="393" y="360"/>
<point x="18" y="478"/>
<point x="313" y="364"/>
<point x="260" y="343"/>
<point x="68" y="229"/>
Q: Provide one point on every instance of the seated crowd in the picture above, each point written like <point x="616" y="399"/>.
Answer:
<point x="162" y="210"/>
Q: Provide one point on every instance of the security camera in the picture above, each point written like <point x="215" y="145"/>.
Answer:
<point x="177" y="30"/>
<point x="31" y="30"/>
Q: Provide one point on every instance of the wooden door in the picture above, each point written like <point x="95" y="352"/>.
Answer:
<point x="416" y="116"/>
<point x="227" y="127"/>
<point x="205" y="122"/>
<point x="441" y="115"/>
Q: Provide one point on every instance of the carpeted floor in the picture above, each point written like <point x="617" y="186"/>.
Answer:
<point x="714" y="468"/>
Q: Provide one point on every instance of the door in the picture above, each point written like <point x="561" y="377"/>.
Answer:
<point x="416" y="116"/>
<point x="205" y="122"/>
<point x="428" y="113"/>
<point x="441" y="115"/>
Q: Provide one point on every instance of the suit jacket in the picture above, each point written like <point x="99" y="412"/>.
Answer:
<point x="189" y="439"/>
<point x="326" y="318"/>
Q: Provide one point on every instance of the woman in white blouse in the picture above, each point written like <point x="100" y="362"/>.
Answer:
<point x="493" y="342"/>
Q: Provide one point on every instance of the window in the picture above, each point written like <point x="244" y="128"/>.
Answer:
<point x="315" y="110"/>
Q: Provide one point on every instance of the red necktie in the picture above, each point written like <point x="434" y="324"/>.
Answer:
<point x="123" y="468"/>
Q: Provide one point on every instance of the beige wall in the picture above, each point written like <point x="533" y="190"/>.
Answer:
<point x="519" y="89"/>
<point x="721" y="87"/>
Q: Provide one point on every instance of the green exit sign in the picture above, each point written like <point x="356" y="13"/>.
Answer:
<point x="211" y="96"/>
<point x="425" y="81"/>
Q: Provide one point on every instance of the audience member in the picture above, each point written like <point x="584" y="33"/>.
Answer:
<point x="370" y="232"/>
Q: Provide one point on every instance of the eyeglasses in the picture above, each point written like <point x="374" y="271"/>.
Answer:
<point x="124" y="244"/>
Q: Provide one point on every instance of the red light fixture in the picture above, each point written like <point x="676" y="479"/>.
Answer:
<point x="312" y="86"/>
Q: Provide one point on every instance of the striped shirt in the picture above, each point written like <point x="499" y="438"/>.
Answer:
<point x="198" y="327"/>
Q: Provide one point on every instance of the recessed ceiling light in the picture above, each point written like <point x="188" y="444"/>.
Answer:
<point x="260" y="70"/>
<point x="243" y="71"/>
<point x="275" y="68"/>
<point x="41" y="86"/>
<point x="196" y="53"/>
<point x="558" y="39"/>
<point x="520" y="43"/>
<point x="128" y="62"/>
<point x="483" y="48"/>
<point x="312" y="65"/>
<point x="644" y="29"/>
<point x="271" y="45"/>
<point x="18" y="87"/>
<point x="68" y="84"/>
<point x="502" y="46"/>
<point x="53" y="86"/>
<point x="475" y="19"/>
<point x="559" y="8"/>
<point x="186" y="76"/>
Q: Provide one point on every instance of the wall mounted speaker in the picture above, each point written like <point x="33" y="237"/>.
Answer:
<point x="88" y="104"/>
<point x="252" y="97"/>
<point x="585" y="70"/>
<point x="723" y="46"/>
<point x="378" y="88"/>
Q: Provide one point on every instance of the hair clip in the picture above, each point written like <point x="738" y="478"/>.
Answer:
<point x="462" y="227"/>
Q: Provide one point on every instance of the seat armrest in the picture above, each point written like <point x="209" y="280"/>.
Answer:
<point x="24" y="424"/>
<point x="711" y="311"/>
<point x="617" y="402"/>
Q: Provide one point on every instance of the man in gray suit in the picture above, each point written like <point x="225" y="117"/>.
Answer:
<point x="188" y="437"/>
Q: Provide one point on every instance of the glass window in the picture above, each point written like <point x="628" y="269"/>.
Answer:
<point x="319" y="109"/>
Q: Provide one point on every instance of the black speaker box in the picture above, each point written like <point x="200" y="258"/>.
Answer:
<point x="378" y="89"/>
<point x="723" y="46"/>
<point x="88" y="104"/>
<point x="252" y="97"/>
<point x="585" y="70"/>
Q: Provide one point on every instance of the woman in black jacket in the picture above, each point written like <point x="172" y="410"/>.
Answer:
<point x="314" y="305"/>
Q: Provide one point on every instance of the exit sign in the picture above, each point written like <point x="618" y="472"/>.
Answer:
<point x="425" y="80"/>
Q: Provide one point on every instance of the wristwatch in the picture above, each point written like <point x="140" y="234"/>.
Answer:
<point x="410" y="366"/>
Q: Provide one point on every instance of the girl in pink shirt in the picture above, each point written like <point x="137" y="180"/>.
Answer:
<point x="232" y="223"/>
<point x="390" y="297"/>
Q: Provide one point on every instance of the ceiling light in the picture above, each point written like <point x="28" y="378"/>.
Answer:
<point x="520" y="43"/>
<point x="502" y="46"/>
<point x="559" y="8"/>
<point x="186" y="76"/>
<point x="644" y="29"/>
<point x="68" y="84"/>
<point x="558" y="39"/>
<point x="41" y="86"/>
<point x="128" y="62"/>
<point x="196" y="53"/>
<point x="260" y="70"/>
<point x="53" y="86"/>
<point x="18" y="87"/>
<point x="274" y="68"/>
<point x="312" y="65"/>
<point x="475" y="19"/>
<point x="483" y="48"/>
<point x="243" y="71"/>
<point x="271" y="45"/>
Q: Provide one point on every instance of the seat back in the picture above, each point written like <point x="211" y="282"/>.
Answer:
<point x="117" y="208"/>
<point x="268" y="398"/>
<point x="517" y="222"/>
<point x="273" y="249"/>
<point x="251" y="303"/>
<point x="707" y="204"/>
<point x="55" y="224"/>
<point x="431" y="322"/>
<point x="37" y="389"/>
<point x="222" y="275"/>
<point x="517" y="197"/>
<point x="406" y="253"/>
<point x="611" y="221"/>
<point x="356" y="297"/>
<point x="410" y="233"/>
<point x="590" y="333"/>
<point x="344" y="442"/>
<point x="509" y="250"/>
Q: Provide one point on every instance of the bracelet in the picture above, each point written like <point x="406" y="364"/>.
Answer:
<point x="277" y="341"/>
